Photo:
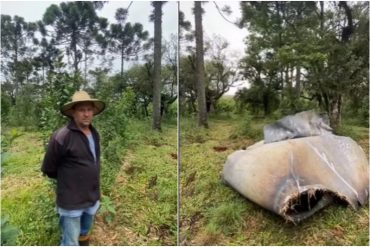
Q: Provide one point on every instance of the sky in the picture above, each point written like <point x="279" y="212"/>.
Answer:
<point x="139" y="11"/>
<point x="214" y="23"/>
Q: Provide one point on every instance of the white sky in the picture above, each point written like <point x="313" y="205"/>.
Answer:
<point x="214" y="23"/>
<point x="139" y="12"/>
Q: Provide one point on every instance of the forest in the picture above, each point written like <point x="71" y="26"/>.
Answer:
<point x="170" y="120"/>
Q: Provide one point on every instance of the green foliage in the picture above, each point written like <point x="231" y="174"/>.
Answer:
<point x="290" y="105"/>
<point x="225" y="105"/>
<point x="125" y="39"/>
<point x="25" y="111"/>
<point x="112" y="124"/>
<point x="76" y="25"/>
<point x="246" y="127"/>
<point x="107" y="209"/>
<point x="27" y="198"/>
<point x="9" y="232"/>
<point x="147" y="188"/>
<point x="16" y="34"/>
<point x="356" y="111"/>
<point x="60" y="88"/>
<point x="9" y="136"/>
<point x="257" y="99"/>
<point x="295" y="50"/>
<point x="354" y="131"/>
<point x="172" y="110"/>
<point x="32" y="210"/>
<point x="6" y="103"/>
<point x="6" y="141"/>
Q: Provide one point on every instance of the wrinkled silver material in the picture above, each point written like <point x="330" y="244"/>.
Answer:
<point x="303" y="124"/>
<point x="297" y="177"/>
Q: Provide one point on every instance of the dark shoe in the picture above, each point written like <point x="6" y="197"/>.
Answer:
<point x="83" y="240"/>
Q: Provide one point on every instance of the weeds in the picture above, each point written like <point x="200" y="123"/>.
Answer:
<point x="107" y="209"/>
<point x="9" y="232"/>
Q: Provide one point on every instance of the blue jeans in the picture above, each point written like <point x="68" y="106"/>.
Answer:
<point x="73" y="227"/>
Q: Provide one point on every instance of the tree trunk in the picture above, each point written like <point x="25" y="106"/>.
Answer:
<point x="335" y="109"/>
<point x="201" y="94"/>
<point x="122" y="61"/>
<point x="157" y="65"/>
<point x="43" y="75"/>
<point x="322" y="17"/>
<point x="75" y="60"/>
<point x="298" y="81"/>
<point x="85" y="72"/>
<point x="16" y="72"/>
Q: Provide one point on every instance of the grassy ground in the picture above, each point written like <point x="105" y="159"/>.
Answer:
<point x="27" y="197"/>
<point x="214" y="214"/>
<point x="145" y="192"/>
<point x="138" y="209"/>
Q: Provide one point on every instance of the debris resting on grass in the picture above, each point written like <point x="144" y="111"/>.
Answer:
<point x="297" y="177"/>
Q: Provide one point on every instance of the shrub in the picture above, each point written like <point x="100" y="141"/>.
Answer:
<point x="9" y="232"/>
<point x="225" y="105"/>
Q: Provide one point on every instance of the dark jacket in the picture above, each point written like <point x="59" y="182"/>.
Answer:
<point x="69" y="160"/>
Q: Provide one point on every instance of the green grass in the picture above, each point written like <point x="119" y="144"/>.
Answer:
<point x="140" y="193"/>
<point x="214" y="214"/>
<point x="144" y="192"/>
<point x="27" y="197"/>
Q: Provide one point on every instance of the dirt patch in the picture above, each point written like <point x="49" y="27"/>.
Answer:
<point x="220" y="149"/>
<point x="112" y="235"/>
<point x="126" y="168"/>
<point x="13" y="184"/>
<point x="207" y="239"/>
<point x="174" y="156"/>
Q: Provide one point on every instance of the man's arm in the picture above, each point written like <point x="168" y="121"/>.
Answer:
<point x="51" y="159"/>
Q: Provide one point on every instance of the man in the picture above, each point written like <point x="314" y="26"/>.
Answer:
<point x="73" y="159"/>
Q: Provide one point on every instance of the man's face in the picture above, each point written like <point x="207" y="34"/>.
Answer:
<point x="83" y="114"/>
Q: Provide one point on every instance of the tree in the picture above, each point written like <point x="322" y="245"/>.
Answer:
<point x="220" y="71"/>
<point x="47" y="57"/>
<point x="157" y="65"/>
<point x="200" y="78"/>
<point x="187" y="82"/>
<point x="16" y="35"/>
<point x="169" y="74"/>
<point x="305" y="51"/>
<point x="125" y="40"/>
<point x="75" y="25"/>
<point x="140" y="79"/>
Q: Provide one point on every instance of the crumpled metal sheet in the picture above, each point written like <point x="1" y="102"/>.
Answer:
<point x="297" y="177"/>
<point x="303" y="124"/>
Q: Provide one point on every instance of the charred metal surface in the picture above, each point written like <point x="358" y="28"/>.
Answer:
<point x="297" y="177"/>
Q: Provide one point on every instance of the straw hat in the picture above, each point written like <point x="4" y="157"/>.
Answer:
<point x="79" y="97"/>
